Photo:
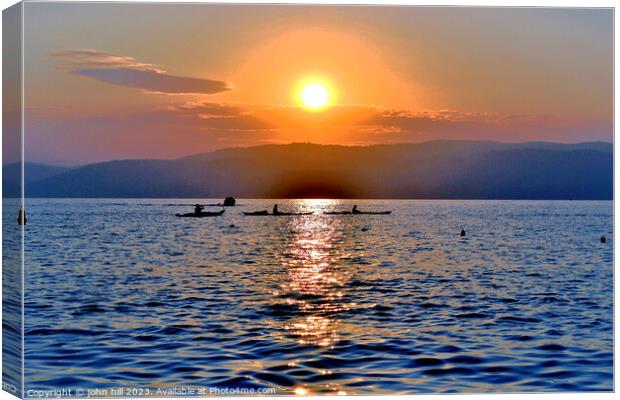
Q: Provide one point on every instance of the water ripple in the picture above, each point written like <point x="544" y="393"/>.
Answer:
<point x="132" y="296"/>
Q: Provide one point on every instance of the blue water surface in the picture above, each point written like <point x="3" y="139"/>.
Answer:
<point x="123" y="293"/>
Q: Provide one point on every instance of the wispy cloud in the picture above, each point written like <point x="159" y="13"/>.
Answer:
<point x="211" y="116"/>
<point x="243" y="116"/>
<point x="453" y="124"/>
<point x="127" y="71"/>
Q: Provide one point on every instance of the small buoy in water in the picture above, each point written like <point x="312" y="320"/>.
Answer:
<point x="462" y="232"/>
<point x="603" y="239"/>
<point x="232" y="226"/>
<point x="21" y="217"/>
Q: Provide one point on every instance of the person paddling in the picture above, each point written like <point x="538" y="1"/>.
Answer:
<point x="198" y="209"/>
<point x="355" y="210"/>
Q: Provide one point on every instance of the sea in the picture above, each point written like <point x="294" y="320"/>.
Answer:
<point x="123" y="298"/>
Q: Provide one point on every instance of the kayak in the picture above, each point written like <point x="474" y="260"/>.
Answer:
<point x="285" y="213"/>
<point x="278" y="214"/>
<point x="202" y="214"/>
<point x="357" y="213"/>
<point x="256" y="213"/>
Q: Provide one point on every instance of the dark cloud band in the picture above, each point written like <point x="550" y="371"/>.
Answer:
<point x="129" y="72"/>
<point x="154" y="81"/>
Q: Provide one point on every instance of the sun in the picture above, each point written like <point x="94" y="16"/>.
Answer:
<point x="314" y="96"/>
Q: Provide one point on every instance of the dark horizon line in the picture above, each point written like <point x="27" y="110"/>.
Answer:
<point x="308" y="143"/>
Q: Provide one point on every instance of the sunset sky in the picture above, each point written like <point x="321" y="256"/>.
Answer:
<point x="112" y="81"/>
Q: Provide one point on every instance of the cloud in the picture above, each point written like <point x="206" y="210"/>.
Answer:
<point x="223" y="117"/>
<point x="127" y="71"/>
<point x="368" y="124"/>
<point x="154" y="81"/>
<point x="211" y="110"/>
<point x="241" y="116"/>
<point x="395" y="126"/>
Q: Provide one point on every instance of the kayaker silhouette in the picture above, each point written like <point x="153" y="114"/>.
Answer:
<point x="354" y="210"/>
<point x="198" y="209"/>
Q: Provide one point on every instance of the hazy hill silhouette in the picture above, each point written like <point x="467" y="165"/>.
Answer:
<point x="437" y="169"/>
<point x="11" y="176"/>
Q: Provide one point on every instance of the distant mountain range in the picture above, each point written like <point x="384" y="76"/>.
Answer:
<point x="431" y="170"/>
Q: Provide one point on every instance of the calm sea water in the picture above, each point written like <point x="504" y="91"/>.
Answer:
<point x="123" y="293"/>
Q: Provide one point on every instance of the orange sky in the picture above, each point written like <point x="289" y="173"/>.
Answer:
<point x="173" y="80"/>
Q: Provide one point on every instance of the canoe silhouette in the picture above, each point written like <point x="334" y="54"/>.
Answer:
<point x="278" y="214"/>
<point x="357" y="213"/>
<point x="255" y="213"/>
<point x="201" y="215"/>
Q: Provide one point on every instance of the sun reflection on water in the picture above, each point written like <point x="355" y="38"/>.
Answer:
<point x="316" y="281"/>
<point x="314" y="330"/>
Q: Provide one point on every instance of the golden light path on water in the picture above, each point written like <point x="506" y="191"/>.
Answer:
<point x="315" y="281"/>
